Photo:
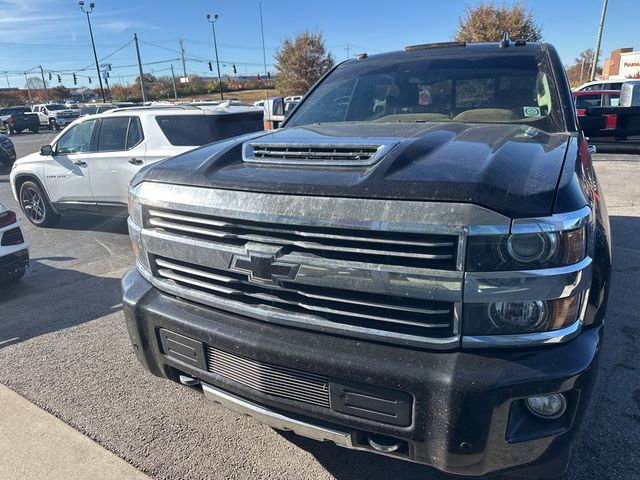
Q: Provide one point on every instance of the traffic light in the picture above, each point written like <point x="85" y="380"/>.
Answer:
<point x="235" y="72"/>
<point x="75" y="79"/>
<point x="210" y="67"/>
<point x="89" y="80"/>
<point x="258" y="77"/>
<point x="269" y="75"/>
<point x="50" y="77"/>
<point x="59" y="79"/>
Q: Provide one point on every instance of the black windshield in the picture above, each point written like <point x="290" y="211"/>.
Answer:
<point x="485" y="88"/>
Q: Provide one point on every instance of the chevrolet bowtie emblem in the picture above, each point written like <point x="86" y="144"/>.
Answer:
<point x="262" y="266"/>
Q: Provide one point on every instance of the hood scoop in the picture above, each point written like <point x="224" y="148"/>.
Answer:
<point x="330" y="153"/>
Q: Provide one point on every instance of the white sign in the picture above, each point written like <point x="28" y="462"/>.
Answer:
<point x="629" y="65"/>
<point x="184" y="79"/>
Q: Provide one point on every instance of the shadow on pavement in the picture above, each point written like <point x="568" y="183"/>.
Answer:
<point x="97" y="223"/>
<point x="50" y="299"/>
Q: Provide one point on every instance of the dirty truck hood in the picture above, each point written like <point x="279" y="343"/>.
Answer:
<point x="512" y="169"/>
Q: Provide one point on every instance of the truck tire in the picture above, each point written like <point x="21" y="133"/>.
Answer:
<point x="9" y="279"/>
<point x="53" y="125"/>
<point x="35" y="129"/>
<point x="36" y="206"/>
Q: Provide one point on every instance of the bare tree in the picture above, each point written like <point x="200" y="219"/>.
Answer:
<point x="579" y="72"/>
<point x="487" y="22"/>
<point x="34" y="83"/>
<point x="301" y="62"/>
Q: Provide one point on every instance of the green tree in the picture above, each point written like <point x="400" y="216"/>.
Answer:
<point x="301" y="62"/>
<point x="487" y="22"/>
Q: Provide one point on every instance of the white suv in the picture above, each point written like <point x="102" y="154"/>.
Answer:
<point x="14" y="251"/>
<point x="89" y="165"/>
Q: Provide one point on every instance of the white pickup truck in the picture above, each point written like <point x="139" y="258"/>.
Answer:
<point x="55" y="115"/>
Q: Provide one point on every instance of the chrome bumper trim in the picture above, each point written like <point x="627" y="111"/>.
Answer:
<point x="276" y="420"/>
<point x="524" y="340"/>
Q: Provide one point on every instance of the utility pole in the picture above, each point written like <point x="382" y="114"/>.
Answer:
<point x="6" y="75"/>
<point x="348" y="49"/>
<point x="173" y="80"/>
<point x="26" y="84"/>
<point x="184" y="65"/>
<point x="44" y="84"/>
<point x="144" y="94"/>
<point x="264" y="52"/>
<point x="596" y="54"/>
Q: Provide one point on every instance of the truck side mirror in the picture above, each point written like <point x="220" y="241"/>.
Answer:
<point x="278" y="106"/>
<point x="46" y="150"/>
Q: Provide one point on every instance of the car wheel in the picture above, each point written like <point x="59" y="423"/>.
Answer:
<point x="35" y="205"/>
<point x="18" y="130"/>
<point x="53" y="125"/>
<point x="35" y="129"/>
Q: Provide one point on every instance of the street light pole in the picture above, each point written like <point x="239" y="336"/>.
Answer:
<point x="596" y="54"/>
<point x="215" y="47"/>
<point x="95" y="55"/>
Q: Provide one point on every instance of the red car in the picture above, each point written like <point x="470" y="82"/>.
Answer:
<point x="597" y="98"/>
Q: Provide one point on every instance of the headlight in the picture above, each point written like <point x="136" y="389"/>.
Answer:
<point x="526" y="251"/>
<point x="134" y="207"/>
<point x="514" y="318"/>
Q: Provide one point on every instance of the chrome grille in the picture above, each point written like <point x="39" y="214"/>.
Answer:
<point x="384" y="313"/>
<point x="12" y="237"/>
<point x="344" y="155"/>
<point x="269" y="379"/>
<point x="366" y="246"/>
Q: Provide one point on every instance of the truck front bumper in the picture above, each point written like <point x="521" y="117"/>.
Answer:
<point x="459" y="411"/>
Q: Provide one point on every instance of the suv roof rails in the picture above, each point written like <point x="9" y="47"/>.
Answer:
<point x="153" y="107"/>
<point x="425" y="46"/>
<point x="506" y="41"/>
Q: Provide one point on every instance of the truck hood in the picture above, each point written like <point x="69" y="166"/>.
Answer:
<point x="64" y="113"/>
<point x="512" y="169"/>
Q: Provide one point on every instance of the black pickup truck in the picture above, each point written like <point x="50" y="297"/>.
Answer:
<point x="417" y="264"/>
<point x="17" y="119"/>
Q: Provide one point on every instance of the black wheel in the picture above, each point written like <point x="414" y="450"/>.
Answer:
<point x="35" y="129"/>
<point x="53" y="125"/>
<point x="18" y="130"/>
<point x="36" y="207"/>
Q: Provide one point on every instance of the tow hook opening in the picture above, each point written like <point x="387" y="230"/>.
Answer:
<point x="383" y="443"/>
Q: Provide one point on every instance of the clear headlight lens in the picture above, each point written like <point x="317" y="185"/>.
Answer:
<point x="514" y="318"/>
<point x="526" y="251"/>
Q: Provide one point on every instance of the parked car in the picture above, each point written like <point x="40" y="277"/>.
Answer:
<point x="7" y="151"/>
<point x="599" y="85"/>
<point x="88" y="166"/>
<point x="597" y="98"/>
<point x="425" y="278"/>
<point x="14" y="251"/>
<point x="54" y="115"/>
<point x="18" y="118"/>
<point x="94" y="108"/>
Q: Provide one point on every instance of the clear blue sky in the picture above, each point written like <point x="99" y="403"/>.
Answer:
<point x="54" y="33"/>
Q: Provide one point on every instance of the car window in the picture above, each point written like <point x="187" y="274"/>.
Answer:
<point x="87" y="110"/>
<point x="113" y="134"/>
<point x="484" y="89"/>
<point x="77" y="139"/>
<point x="586" y="101"/>
<point x="134" y="136"/>
<point x="104" y="108"/>
<point x="197" y="130"/>
<point x="614" y="100"/>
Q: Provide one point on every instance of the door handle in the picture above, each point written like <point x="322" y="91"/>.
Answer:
<point x="80" y="163"/>
<point x="135" y="161"/>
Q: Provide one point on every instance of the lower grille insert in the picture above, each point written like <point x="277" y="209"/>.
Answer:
<point x="269" y="379"/>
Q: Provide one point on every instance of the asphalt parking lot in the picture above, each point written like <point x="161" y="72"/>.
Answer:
<point x="64" y="346"/>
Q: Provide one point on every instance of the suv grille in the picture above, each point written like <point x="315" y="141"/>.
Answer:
<point x="345" y="155"/>
<point x="12" y="237"/>
<point x="269" y="379"/>
<point x="366" y="246"/>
